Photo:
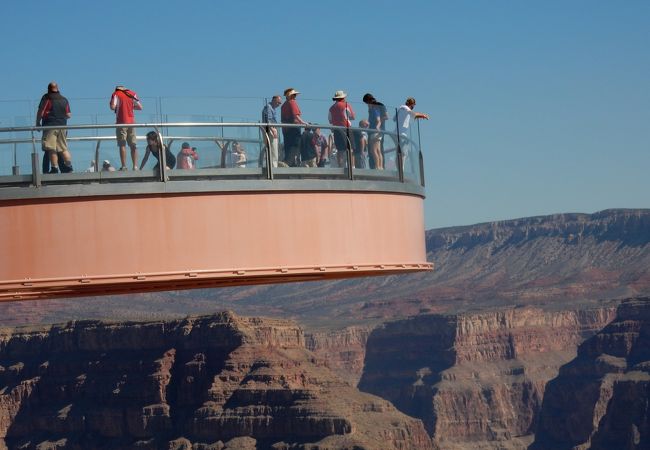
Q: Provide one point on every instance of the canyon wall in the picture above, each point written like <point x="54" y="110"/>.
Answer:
<point x="215" y="382"/>
<point x="600" y="400"/>
<point x="475" y="380"/>
<point x="343" y="350"/>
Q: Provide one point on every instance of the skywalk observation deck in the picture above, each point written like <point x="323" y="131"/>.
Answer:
<point x="227" y="222"/>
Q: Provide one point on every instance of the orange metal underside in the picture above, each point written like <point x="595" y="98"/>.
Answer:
<point x="111" y="245"/>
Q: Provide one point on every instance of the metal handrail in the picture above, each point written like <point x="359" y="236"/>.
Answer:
<point x="159" y="126"/>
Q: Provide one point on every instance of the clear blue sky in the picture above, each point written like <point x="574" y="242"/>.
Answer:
<point x="536" y="107"/>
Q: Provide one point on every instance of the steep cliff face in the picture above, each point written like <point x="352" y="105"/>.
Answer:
<point x="211" y="382"/>
<point x="475" y="380"/>
<point x="343" y="350"/>
<point x="600" y="400"/>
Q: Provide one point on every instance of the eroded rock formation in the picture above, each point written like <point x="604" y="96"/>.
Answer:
<point x="210" y="382"/>
<point x="475" y="380"/>
<point x="342" y="350"/>
<point x="601" y="399"/>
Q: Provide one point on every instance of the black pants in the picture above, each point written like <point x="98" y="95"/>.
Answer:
<point x="291" y="146"/>
<point x="46" y="163"/>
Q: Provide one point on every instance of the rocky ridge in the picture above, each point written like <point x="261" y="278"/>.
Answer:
<point x="600" y="400"/>
<point x="214" y="382"/>
<point x="475" y="380"/>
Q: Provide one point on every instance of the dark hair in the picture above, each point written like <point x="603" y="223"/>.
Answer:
<point x="368" y="98"/>
<point x="152" y="135"/>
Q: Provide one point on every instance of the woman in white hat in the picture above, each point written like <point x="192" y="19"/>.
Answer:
<point x="342" y="115"/>
<point x="290" y="114"/>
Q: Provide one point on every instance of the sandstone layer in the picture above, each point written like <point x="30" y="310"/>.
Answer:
<point x="475" y="380"/>
<point x="601" y="399"/>
<point x="343" y="350"/>
<point x="209" y="382"/>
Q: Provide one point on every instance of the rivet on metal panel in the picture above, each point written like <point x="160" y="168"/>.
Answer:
<point x="381" y="266"/>
<point x="240" y="272"/>
<point x="355" y="267"/>
<point x="28" y="284"/>
<point x="140" y="277"/>
<point x="84" y="280"/>
<point x="192" y="274"/>
<point x="284" y="270"/>
<point x="322" y="269"/>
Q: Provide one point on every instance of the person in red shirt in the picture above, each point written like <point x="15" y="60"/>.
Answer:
<point x="290" y="113"/>
<point x="123" y="102"/>
<point x="342" y="115"/>
<point x="186" y="156"/>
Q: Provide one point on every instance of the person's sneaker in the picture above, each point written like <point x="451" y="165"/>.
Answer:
<point x="67" y="168"/>
<point x="135" y="168"/>
<point x="54" y="170"/>
<point x="123" y="168"/>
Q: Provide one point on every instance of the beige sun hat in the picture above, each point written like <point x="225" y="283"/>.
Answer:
<point x="339" y="95"/>
<point x="290" y="91"/>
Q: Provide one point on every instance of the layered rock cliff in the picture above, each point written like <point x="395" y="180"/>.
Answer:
<point x="210" y="382"/>
<point x="601" y="399"/>
<point x="475" y="380"/>
<point x="343" y="350"/>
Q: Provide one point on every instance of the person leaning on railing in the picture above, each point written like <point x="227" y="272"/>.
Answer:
<point x="54" y="110"/>
<point x="153" y="148"/>
<point x="403" y="118"/>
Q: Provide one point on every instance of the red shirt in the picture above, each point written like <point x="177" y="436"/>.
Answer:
<point x="289" y="111"/>
<point x="341" y="113"/>
<point x="123" y="105"/>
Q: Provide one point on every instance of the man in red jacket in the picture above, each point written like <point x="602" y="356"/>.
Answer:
<point x="123" y="102"/>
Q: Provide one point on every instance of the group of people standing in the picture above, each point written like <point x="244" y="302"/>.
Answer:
<point x="307" y="149"/>
<point x="54" y="110"/>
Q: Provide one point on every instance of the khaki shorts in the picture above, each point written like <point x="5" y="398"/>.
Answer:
<point x="125" y="135"/>
<point x="55" y="141"/>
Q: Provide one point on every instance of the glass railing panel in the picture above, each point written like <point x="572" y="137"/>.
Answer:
<point x="410" y="152"/>
<point x="16" y="158"/>
<point x="213" y="150"/>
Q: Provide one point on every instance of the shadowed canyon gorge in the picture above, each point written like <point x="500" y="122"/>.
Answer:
<point x="528" y="333"/>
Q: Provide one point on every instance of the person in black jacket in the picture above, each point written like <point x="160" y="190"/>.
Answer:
<point x="54" y="110"/>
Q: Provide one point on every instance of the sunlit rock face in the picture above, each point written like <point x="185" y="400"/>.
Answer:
<point x="219" y="381"/>
<point x="600" y="399"/>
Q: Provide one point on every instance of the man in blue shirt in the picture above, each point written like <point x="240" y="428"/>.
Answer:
<point x="269" y="116"/>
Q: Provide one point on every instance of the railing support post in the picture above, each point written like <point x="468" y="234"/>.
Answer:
<point x="97" y="155"/>
<point x="36" y="169"/>
<point x="421" y="156"/>
<point x="348" y="144"/>
<point x="398" y="154"/>
<point x="162" y="160"/>
<point x="267" y="152"/>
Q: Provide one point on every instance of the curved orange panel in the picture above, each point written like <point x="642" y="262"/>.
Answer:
<point x="101" y="245"/>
